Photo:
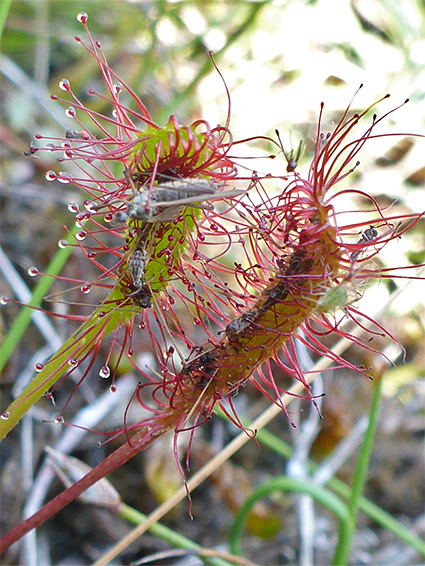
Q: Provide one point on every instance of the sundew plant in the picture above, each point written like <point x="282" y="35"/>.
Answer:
<point x="221" y="270"/>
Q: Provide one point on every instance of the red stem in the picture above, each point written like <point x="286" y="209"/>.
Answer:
<point x="140" y="441"/>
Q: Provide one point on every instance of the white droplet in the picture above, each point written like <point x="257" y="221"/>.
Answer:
<point x="73" y="362"/>
<point x="90" y="206"/>
<point x="73" y="207"/>
<point x="50" y="175"/>
<point x="62" y="244"/>
<point x="64" y="84"/>
<point x="118" y="88"/>
<point x="85" y="289"/>
<point x="70" y="112"/>
<point x="38" y="367"/>
<point x="59" y="419"/>
<point x="81" y="235"/>
<point x="5" y="415"/>
<point x="105" y="372"/>
<point x="32" y="271"/>
<point x="4" y="300"/>
<point x="113" y="388"/>
<point x="64" y="178"/>
<point x="82" y="17"/>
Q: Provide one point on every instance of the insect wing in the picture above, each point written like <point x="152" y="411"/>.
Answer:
<point x="202" y="197"/>
<point x="195" y="186"/>
<point x="136" y="266"/>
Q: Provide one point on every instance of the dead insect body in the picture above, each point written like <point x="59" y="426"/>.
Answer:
<point x="136" y="267"/>
<point x="165" y="201"/>
<point x="251" y="318"/>
<point x="292" y="157"/>
<point x="76" y="135"/>
<point x="143" y="297"/>
<point x="277" y="293"/>
<point x="368" y="235"/>
<point x="202" y="368"/>
<point x="141" y="294"/>
<point x="242" y="323"/>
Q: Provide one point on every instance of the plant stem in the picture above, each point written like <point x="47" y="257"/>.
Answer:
<point x="4" y="11"/>
<point x="139" y="442"/>
<point x="343" y="552"/>
<point x="173" y="538"/>
<point x="384" y="519"/>
<point x="283" y="483"/>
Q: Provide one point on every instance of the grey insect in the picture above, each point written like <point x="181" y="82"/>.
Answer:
<point x="166" y="200"/>
<point x="136" y="266"/>
<point x="141" y="294"/>
<point x="242" y="323"/>
<point x="368" y="235"/>
<point x="76" y="135"/>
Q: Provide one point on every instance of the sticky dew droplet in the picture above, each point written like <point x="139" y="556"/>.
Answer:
<point x="73" y="207"/>
<point x="59" y="419"/>
<point x="73" y="362"/>
<point x="113" y="388"/>
<point x="81" y="235"/>
<point x="4" y="300"/>
<point x="62" y="244"/>
<point x="90" y="206"/>
<point x="64" y="84"/>
<point x="38" y="367"/>
<point x="50" y="397"/>
<point x="104" y="372"/>
<point x="81" y="217"/>
<point x="118" y="88"/>
<point x="70" y="112"/>
<point x="63" y="177"/>
<point x="50" y="176"/>
<point x="82" y="17"/>
<point x="5" y="416"/>
<point x="32" y="271"/>
<point x="85" y="289"/>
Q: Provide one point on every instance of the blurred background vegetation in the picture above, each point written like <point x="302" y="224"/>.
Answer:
<point x="280" y="60"/>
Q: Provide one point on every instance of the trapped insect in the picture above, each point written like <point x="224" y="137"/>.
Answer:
<point x="166" y="200"/>
<point x="76" y="135"/>
<point x="141" y="294"/>
<point x="368" y="235"/>
<point x="292" y="157"/>
<point x="136" y="266"/>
